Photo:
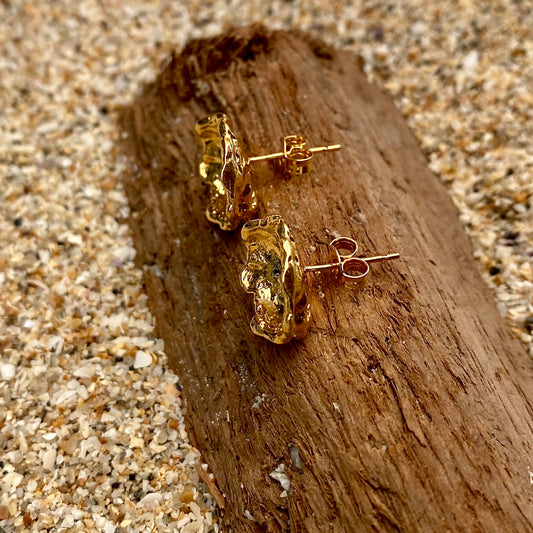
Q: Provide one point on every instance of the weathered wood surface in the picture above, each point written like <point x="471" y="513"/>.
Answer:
<point x="409" y="402"/>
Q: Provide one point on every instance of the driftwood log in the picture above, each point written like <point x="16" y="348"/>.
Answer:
<point x="408" y="406"/>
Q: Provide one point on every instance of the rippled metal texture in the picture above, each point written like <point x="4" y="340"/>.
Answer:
<point x="274" y="276"/>
<point x="227" y="172"/>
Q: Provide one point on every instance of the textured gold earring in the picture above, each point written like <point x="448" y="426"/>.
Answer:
<point x="228" y="173"/>
<point x="274" y="276"/>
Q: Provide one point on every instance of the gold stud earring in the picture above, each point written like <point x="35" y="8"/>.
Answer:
<point x="228" y="172"/>
<point x="274" y="276"/>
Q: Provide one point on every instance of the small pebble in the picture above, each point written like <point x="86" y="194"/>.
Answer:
<point x="125" y="254"/>
<point x="11" y="481"/>
<point x="49" y="458"/>
<point x="470" y="62"/>
<point x="279" y="475"/>
<point x="142" y="359"/>
<point x="7" y="371"/>
<point x="150" y="500"/>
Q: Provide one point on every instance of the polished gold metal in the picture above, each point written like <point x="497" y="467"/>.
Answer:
<point x="228" y="172"/>
<point x="274" y="276"/>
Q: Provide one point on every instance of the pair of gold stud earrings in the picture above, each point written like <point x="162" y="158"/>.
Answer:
<point x="273" y="273"/>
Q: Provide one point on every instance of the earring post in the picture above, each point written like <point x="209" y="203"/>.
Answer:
<point x="328" y="148"/>
<point x="266" y="157"/>
<point x="375" y="259"/>
<point x="316" y="268"/>
<point x="378" y="258"/>
<point x="278" y="155"/>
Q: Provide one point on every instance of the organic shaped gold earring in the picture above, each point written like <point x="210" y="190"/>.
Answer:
<point x="274" y="276"/>
<point x="228" y="172"/>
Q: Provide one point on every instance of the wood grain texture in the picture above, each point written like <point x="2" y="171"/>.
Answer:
<point x="409" y="403"/>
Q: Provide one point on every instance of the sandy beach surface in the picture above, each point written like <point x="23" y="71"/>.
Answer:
<point x="92" y="436"/>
